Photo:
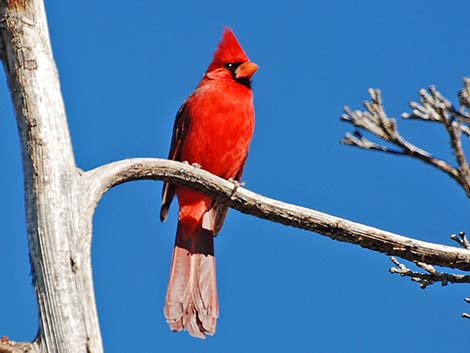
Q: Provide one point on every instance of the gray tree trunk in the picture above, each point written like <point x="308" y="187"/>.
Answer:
<point x="59" y="238"/>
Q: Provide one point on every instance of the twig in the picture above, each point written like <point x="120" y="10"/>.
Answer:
<point x="432" y="107"/>
<point x="466" y="315"/>
<point x="461" y="239"/>
<point x="464" y="94"/>
<point x="430" y="277"/>
<point x="356" y="139"/>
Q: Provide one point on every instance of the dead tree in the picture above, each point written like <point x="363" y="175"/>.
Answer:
<point x="61" y="198"/>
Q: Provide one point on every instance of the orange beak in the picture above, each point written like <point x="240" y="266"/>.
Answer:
<point x="246" y="70"/>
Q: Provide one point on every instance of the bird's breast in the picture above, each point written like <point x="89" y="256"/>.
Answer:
<point x="221" y="125"/>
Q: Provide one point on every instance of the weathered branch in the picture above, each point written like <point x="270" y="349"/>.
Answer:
<point x="466" y="315"/>
<point x="375" y="120"/>
<point x="432" y="107"/>
<point x="464" y="94"/>
<point x="99" y="180"/>
<point x="461" y="239"/>
<point x="430" y="277"/>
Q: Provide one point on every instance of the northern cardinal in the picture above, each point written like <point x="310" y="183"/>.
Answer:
<point x="213" y="128"/>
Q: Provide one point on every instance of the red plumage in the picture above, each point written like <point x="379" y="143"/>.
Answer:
<point x="213" y="128"/>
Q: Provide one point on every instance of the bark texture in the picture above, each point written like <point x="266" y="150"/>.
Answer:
<point x="59" y="239"/>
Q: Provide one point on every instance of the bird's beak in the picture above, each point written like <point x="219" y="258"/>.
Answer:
<point x="246" y="70"/>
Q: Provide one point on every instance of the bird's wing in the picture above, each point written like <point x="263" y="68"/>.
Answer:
<point x="180" y="129"/>
<point x="218" y="211"/>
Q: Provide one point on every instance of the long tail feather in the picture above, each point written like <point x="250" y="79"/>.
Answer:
<point x="191" y="300"/>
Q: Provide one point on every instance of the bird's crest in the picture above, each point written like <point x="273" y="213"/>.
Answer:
<point x="228" y="51"/>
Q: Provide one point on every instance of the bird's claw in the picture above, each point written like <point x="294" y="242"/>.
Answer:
<point x="6" y="340"/>
<point x="236" y="185"/>
<point x="195" y="165"/>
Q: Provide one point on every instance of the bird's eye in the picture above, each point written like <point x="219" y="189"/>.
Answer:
<point x="232" y="66"/>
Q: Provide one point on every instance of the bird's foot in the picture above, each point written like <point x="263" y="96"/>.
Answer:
<point x="236" y="185"/>
<point x="195" y="165"/>
<point x="6" y="340"/>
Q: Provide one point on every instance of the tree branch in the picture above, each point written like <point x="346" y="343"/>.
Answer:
<point x="433" y="104"/>
<point x="464" y="94"/>
<point x="461" y="239"/>
<point x="433" y="107"/>
<point x="97" y="181"/>
<point x="466" y="315"/>
<point x="430" y="277"/>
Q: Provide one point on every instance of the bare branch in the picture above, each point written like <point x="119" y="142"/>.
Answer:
<point x="466" y="315"/>
<point x="97" y="181"/>
<point x="432" y="107"/>
<point x="360" y="141"/>
<point x="461" y="239"/>
<point x="446" y="114"/>
<point x="464" y="93"/>
<point x="430" y="277"/>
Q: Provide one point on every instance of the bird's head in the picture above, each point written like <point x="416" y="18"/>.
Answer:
<point x="231" y="61"/>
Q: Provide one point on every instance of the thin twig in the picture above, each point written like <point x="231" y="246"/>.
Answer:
<point x="433" y="106"/>
<point x="466" y="315"/>
<point x="430" y="106"/>
<point x="464" y="94"/>
<point x="461" y="239"/>
<point x="358" y="140"/>
<point x="444" y="109"/>
<point x="430" y="277"/>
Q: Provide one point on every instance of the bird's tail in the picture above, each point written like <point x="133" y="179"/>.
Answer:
<point x="191" y="300"/>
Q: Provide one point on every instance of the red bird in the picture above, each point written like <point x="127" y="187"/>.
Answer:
<point x="213" y="128"/>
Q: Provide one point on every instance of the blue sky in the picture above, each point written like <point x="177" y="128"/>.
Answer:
<point x="126" y="67"/>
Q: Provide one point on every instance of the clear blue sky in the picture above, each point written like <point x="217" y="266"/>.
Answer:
<point x="126" y="67"/>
